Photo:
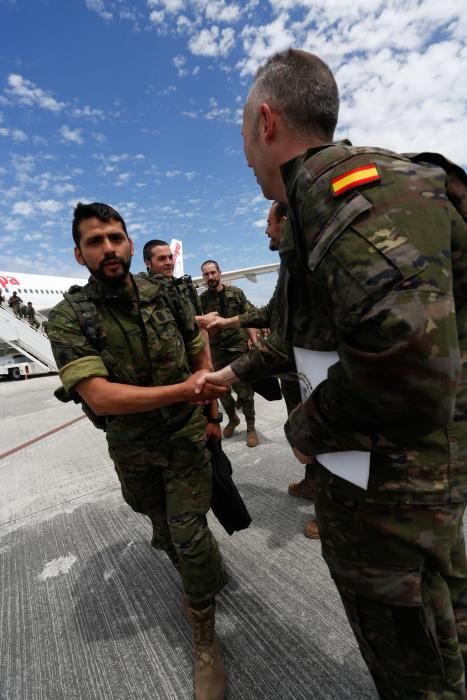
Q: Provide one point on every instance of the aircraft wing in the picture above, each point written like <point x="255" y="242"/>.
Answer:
<point x="249" y="273"/>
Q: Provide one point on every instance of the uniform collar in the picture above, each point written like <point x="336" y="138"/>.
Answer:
<point x="290" y="169"/>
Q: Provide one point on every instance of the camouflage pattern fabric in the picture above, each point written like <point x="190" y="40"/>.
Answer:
<point x="385" y="267"/>
<point x="159" y="455"/>
<point x="377" y="264"/>
<point x="272" y="355"/>
<point x="231" y="301"/>
<point x="401" y="572"/>
<point x="169" y="480"/>
<point x="230" y="344"/>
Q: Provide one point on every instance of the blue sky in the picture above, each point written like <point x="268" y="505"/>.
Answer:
<point x="138" y="103"/>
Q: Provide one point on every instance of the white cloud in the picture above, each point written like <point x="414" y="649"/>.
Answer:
<point x="179" y="173"/>
<point x="71" y="135"/>
<point x="157" y="16"/>
<point x="179" y="61"/>
<point x="259" y="43"/>
<point x="99" y="7"/>
<point x="212" y="42"/>
<point x="14" y="134"/>
<point x="51" y="206"/>
<point x="33" y="236"/>
<point x="23" y="208"/>
<point x="29" y="94"/>
<point x="87" y="112"/>
<point x="221" y="12"/>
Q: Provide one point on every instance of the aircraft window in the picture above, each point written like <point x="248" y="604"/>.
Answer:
<point x="47" y="291"/>
<point x="37" y="292"/>
<point x="19" y="291"/>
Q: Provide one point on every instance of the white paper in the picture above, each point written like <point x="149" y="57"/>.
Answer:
<point x="312" y="369"/>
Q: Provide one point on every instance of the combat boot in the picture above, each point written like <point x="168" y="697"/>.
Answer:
<point x="251" y="437"/>
<point x="311" y="530"/>
<point x="231" y="425"/>
<point x="302" y="489"/>
<point x="209" y="665"/>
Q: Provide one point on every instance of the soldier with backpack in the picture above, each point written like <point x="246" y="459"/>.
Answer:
<point x="126" y="347"/>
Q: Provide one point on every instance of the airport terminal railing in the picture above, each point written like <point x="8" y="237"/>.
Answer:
<point x="26" y="339"/>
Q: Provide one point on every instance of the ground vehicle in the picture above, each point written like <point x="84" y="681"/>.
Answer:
<point x="16" y="366"/>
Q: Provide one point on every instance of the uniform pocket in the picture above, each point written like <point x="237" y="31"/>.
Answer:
<point x="395" y="620"/>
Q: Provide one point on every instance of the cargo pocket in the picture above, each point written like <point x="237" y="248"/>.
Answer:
<point x="396" y="625"/>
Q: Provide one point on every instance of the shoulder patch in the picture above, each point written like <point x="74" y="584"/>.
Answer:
<point x="354" y="178"/>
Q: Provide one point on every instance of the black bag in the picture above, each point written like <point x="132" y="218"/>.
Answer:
<point x="226" y="503"/>
<point x="268" y="387"/>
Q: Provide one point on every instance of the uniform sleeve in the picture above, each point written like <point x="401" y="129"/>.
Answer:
<point x="399" y="359"/>
<point x="259" y="317"/>
<point x="75" y="357"/>
<point x="267" y="358"/>
<point x="244" y="306"/>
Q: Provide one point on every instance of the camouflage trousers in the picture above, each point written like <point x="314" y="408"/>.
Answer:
<point x="171" y="483"/>
<point x="244" y="391"/>
<point x="291" y="392"/>
<point x="401" y="572"/>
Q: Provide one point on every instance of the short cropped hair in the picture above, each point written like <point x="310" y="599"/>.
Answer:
<point x="98" y="210"/>
<point x="303" y="88"/>
<point x="147" y="250"/>
<point x="280" y="209"/>
<point x="206" y="262"/>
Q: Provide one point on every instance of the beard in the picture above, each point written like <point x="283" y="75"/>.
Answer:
<point x="112" y="280"/>
<point x="212" y="284"/>
<point x="272" y="245"/>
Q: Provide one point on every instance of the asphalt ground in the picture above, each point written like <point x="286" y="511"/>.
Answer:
<point x="89" y="610"/>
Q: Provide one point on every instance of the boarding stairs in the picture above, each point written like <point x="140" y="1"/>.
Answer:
<point x="30" y="341"/>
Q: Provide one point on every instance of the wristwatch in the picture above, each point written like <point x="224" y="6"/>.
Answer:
<point x="217" y="419"/>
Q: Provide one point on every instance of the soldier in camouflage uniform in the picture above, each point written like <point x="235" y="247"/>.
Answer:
<point x="251" y="365"/>
<point x="159" y="260"/>
<point x="377" y="261"/>
<point x="30" y="315"/>
<point x="226" y="345"/>
<point x="14" y="302"/>
<point x="123" y="349"/>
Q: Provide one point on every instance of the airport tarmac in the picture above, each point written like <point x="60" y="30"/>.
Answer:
<point x="89" y="610"/>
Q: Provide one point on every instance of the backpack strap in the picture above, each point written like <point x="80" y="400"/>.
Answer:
<point x="87" y="316"/>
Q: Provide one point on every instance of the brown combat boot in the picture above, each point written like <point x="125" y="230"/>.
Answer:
<point x="231" y="425"/>
<point x="302" y="489"/>
<point x="209" y="664"/>
<point x="251" y="437"/>
<point x="311" y="530"/>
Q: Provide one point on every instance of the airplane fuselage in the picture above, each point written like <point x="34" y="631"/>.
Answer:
<point x="44" y="291"/>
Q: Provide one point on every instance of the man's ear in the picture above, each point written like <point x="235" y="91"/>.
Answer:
<point x="267" y="121"/>
<point x="78" y="257"/>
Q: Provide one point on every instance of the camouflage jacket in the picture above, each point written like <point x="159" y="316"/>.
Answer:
<point x="373" y="240"/>
<point x="231" y="301"/>
<point x="185" y="286"/>
<point x="273" y="355"/>
<point x="140" y="343"/>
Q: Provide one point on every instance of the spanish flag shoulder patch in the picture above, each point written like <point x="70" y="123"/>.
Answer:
<point x="354" y="178"/>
